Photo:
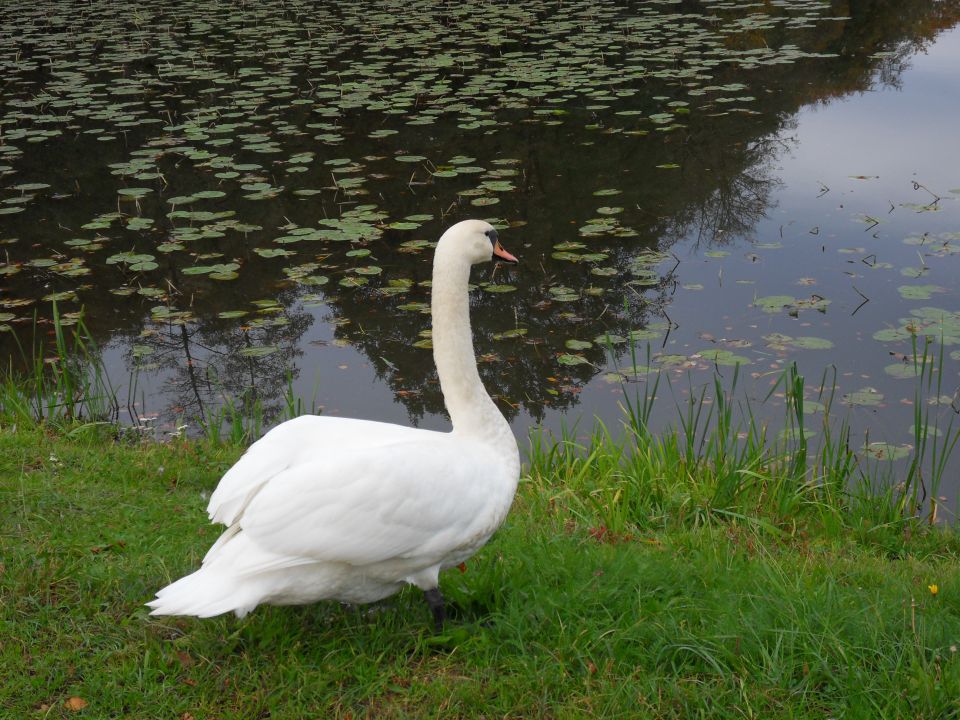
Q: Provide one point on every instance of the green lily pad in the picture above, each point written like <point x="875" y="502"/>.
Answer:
<point x="499" y="288"/>
<point x="919" y="292"/>
<point x="886" y="451"/>
<point x="893" y="334"/>
<point x="774" y="303"/>
<point x="903" y="370"/>
<point x="724" y="357"/>
<point x="811" y="343"/>
<point x="609" y="339"/>
<point x="868" y="397"/>
<point x="570" y="359"/>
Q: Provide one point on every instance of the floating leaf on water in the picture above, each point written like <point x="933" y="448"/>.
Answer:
<point x="774" y="303"/>
<point x="565" y="246"/>
<point x="609" y="339"/>
<point x="142" y="266"/>
<point x="421" y="307"/>
<point x="606" y="192"/>
<point x="604" y="271"/>
<point x="570" y="359"/>
<point x="139" y="223"/>
<point x="563" y="294"/>
<point x="904" y="370"/>
<point x="578" y="344"/>
<point x="925" y="431"/>
<point x="219" y="269"/>
<point x="273" y="252"/>
<point x="484" y="201"/>
<point x="209" y="194"/>
<point x="644" y="334"/>
<point x="867" y="396"/>
<point x="231" y="314"/>
<point x="811" y="343"/>
<point x="63" y="296"/>
<point x="893" y="334"/>
<point x="134" y="193"/>
<point x="887" y="451"/>
<point x="507" y="334"/>
<point x="671" y="360"/>
<point x="368" y="270"/>
<point x="499" y="288"/>
<point x="919" y="292"/>
<point x="724" y="357"/>
<point x="415" y="245"/>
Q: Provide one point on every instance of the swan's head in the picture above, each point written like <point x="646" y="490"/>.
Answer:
<point x="474" y="240"/>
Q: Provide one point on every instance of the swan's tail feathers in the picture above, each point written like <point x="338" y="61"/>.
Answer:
<point x="205" y="593"/>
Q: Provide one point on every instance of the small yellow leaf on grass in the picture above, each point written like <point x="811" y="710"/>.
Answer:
<point x="75" y="704"/>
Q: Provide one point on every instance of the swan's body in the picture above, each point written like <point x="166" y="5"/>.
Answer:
<point x="325" y="508"/>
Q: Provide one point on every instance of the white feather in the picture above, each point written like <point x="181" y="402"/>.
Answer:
<point x="333" y="508"/>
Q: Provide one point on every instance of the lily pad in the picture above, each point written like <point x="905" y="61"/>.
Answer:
<point x="867" y="397"/>
<point x="919" y="292"/>
<point x="570" y="359"/>
<point x="886" y="451"/>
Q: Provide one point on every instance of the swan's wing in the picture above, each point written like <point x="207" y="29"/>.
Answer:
<point x="288" y="445"/>
<point x="360" y="507"/>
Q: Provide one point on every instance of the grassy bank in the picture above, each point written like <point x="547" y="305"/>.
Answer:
<point x="689" y="600"/>
<point x="706" y="571"/>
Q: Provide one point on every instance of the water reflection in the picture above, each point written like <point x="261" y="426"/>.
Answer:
<point x="611" y="144"/>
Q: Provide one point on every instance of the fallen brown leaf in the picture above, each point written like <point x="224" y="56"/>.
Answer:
<point x="75" y="704"/>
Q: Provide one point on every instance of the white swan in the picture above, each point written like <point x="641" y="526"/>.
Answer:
<point x="325" y="508"/>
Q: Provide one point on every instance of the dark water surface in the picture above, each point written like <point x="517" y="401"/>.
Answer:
<point x="235" y="195"/>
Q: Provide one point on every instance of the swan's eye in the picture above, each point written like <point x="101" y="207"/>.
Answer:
<point x="492" y="235"/>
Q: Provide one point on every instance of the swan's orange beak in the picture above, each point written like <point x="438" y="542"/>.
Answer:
<point x="503" y="254"/>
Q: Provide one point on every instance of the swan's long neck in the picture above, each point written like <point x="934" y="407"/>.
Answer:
<point x="468" y="403"/>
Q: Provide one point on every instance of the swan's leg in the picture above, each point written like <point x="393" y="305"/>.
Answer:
<point x="435" y="601"/>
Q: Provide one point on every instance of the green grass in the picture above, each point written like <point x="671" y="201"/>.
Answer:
<point x="705" y="571"/>
<point x="678" y="611"/>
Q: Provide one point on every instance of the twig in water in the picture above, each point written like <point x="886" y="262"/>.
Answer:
<point x="865" y="300"/>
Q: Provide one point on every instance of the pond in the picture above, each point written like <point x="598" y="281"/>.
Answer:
<point x="242" y="201"/>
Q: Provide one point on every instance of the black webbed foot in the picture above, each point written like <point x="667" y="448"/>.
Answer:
<point x="435" y="601"/>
